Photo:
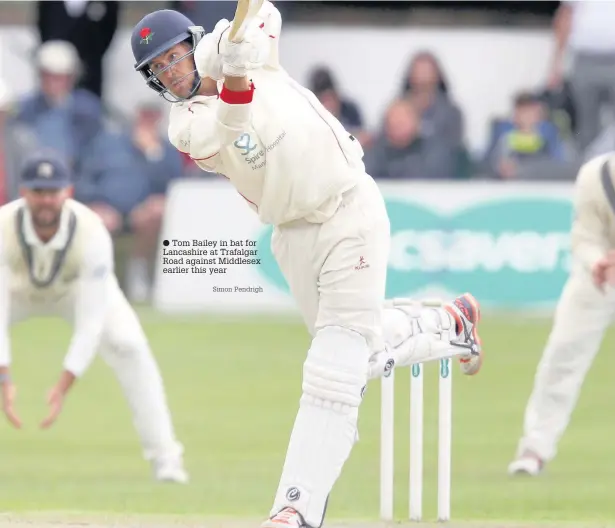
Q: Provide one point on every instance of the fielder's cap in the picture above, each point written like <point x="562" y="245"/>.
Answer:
<point x="45" y="171"/>
<point x="58" y="57"/>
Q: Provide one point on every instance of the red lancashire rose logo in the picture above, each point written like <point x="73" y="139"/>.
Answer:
<point x="146" y="35"/>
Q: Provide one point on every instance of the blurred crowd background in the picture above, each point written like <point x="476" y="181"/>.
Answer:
<point x="123" y="165"/>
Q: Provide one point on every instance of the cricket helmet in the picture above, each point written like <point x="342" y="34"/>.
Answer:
<point x="156" y="33"/>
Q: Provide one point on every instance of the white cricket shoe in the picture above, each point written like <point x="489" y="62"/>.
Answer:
<point x="526" y="464"/>
<point x="170" y="470"/>
<point x="287" y="518"/>
<point x="465" y="310"/>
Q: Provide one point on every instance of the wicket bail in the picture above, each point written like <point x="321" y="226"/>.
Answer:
<point x="387" y="433"/>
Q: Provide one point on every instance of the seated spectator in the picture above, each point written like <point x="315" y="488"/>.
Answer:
<point x="526" y="145"/>
<point x="346" y="111"/>
<point x="17" y="142"/>
<point x="124" y="178"/>
<point x="64" y="119"/>
<point x="426" y="87"/>
<point x="401" y="153"/>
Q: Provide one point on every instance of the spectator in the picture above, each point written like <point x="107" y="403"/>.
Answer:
<point x="427" y="88"/>
<point x="586" y="30"/>
<point x="16" y="144"/>
<point x="526" y="146"/>
<point x="401" y="153"/>
<point x="124" y="179"/>
<point x="89" y="26"/>
<point x="346" y="111"/>
<point x="64" y="119"/>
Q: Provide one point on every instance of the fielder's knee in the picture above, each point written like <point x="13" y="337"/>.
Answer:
<point x="335" y="371"/>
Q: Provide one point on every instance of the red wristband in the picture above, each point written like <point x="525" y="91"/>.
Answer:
<point x="231" y="97"/>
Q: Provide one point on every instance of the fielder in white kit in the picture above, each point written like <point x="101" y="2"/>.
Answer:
<point x="238" y="113"/>
<point x="585" y="309"/>
<point x="56" y="259"/>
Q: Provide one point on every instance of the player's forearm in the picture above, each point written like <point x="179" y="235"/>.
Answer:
<point x="588" y="242"/>
<point x="561" y="30"/>
<point x="238" y="59"/>
<point x="235" y="110"/>
<point x="90" y="312"/>
<point x="587" y="252"/>
<point x="589" y="237"/>
<point x="66" y="381"/>
<point x="236" y="84"/>
<point x="82" y="350"/>
<point x="91" y="304"/>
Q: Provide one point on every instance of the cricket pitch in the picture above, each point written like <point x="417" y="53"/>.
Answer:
<point x="72" y="520"/>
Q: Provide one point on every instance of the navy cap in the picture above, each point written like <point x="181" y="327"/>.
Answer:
<point x="45" y="171"/>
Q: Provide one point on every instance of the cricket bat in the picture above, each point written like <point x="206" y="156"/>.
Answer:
<point x="244" y="14"/>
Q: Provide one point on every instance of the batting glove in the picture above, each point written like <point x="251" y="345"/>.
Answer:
<point x="249" y="54"/>
<point x="207" y="57"/>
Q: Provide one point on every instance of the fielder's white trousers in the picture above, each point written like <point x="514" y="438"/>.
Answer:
<point x="125" y="349"/>
<point x="581" y="318"/>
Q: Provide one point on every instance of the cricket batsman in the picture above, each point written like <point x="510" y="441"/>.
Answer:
<point x="236" y="112"/>
<point x="584" y="311"/>
<point x="56" y="260"/>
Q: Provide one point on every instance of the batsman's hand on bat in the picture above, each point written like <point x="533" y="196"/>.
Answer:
<point x="215" y="50"/>
<point x="207" y="57"/>
<point x="249" y="54"/>
<point x="603" y="272"/>
<point x="9" y="391"/>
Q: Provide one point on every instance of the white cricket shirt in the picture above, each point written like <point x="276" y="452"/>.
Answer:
<point x="74" y="267"/>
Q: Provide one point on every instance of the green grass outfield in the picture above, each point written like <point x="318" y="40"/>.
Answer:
<point x="234" y="389"/>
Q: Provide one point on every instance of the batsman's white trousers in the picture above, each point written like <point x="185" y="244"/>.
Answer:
<point x="581" y="318"/>
<point x="336" y="271"/>
<point x="125" y="349"/>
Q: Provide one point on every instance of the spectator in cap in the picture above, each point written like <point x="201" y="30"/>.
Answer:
<point x="346" y="111"/>
<point x="63" y="118"/>
<point x="16" y="143"/>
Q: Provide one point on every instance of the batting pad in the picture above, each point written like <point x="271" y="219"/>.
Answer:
<point x="334" y="376"/>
